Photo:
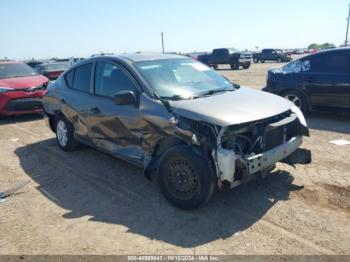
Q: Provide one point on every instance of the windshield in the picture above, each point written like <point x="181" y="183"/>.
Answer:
<point x="233" y="50"/>
<point x="52" y="67"/>
<point x="182" y="78"/>
<point x="16" y="70"/>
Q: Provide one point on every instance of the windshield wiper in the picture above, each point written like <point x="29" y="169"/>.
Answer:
<point x="175" y="97"/>
<point x="212" y="92"/>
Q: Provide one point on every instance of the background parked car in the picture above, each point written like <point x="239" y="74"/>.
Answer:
<point x="52" y="70"/>
<point x="320" y="81"/>
<point x="33" y="63"/>
<point x="21" y="89"/>
<point x="276" y="55"/>
<point x="196" y="54"/>
<point x="227" y="56"/>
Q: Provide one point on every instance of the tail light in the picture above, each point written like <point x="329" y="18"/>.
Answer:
<point x="268" y="82"/>
<point x="54" y="74"/>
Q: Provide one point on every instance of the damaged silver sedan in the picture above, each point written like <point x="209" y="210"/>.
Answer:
<point x="185" y="125"/>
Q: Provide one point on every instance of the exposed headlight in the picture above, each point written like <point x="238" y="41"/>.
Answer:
<point x="5" y="89"/>
<point x="300" y="115"/>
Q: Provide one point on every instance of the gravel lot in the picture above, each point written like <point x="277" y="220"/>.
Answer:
<point x="89" y="203"/>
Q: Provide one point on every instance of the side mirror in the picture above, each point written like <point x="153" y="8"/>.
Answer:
<point x="125" y="97"/>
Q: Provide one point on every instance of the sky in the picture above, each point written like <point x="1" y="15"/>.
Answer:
<point x="66" y="28"/>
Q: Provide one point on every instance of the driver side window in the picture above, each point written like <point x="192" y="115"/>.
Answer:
<point x="110" y="79"/>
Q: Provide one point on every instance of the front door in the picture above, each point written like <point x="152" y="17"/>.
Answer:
<point x="115" y="128"/>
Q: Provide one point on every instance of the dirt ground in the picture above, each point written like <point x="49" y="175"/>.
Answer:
<point x="89" y="203"/>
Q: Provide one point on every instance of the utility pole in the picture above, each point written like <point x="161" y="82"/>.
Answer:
<point x="162" y="34"/>
<point x="347" y="30"/>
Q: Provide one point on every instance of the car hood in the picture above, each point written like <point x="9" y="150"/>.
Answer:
<point x="230" y="108"/>
<point x="21" y="82"/>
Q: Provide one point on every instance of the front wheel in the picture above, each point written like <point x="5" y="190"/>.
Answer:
<point x="279" y="60"/>
<point x="65" y="134"/>
<point x="185" y="179"/>
<point x="246" y="66"/>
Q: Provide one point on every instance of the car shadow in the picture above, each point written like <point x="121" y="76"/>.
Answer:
<point x="89" y="183"/>
<point x="339" y="123"/>
<point x="4" y="120"/>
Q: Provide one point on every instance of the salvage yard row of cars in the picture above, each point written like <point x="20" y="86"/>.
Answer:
<point x="187" y="126"/>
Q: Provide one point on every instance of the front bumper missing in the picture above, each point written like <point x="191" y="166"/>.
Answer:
<point x="263" y="161"/>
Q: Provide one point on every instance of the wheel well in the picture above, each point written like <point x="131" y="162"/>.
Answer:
<point x="306" y="98"/>
<point x="52" y="120"/>
<point x="164" y="144"/>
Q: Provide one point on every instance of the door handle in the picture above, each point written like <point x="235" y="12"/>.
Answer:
<point x="95" y="110"/>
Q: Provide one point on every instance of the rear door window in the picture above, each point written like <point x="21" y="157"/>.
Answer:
<point x="330" y="62"/>
<point x="82" y="78"/>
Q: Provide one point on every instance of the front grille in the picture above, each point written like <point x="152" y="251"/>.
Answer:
<point x="24" y="104"/>
<point x="33" y="89"/>
<point x="274" y="137"/>
<point x="279" y="132"/>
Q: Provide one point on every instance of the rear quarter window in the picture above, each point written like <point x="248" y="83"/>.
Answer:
<point x="69" y="78"/>
<point x="82" y="78"/>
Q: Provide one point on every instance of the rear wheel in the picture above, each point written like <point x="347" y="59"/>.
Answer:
<point x="184" y="178"/>
<point x="279" y="60"/>
<point x="65" y="134"/>
<point x="234" y="65"/>
<point x="255" y="60"/>
<point x="297" y="99"/>
<point x="246" y="66"/>
<point x="262" y="61"/>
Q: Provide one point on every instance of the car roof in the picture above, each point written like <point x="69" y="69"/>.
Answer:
<point x="335" y="49"/>
<point x="143" y="57"/>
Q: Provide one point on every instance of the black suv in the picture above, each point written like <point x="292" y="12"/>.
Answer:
<point x="315" y="82"/>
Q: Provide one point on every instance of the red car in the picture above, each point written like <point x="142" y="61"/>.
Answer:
<point x="21" y="89"/>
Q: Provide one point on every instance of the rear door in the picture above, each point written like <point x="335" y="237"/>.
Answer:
<point x="266" y="54"/>
<point x="115" y="128"/>
<point x="328" y="80"/>
<point x="219" y="56"/>
<point x="77" y="99"/>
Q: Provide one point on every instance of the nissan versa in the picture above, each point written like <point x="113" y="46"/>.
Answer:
<point x="187" y="126"/>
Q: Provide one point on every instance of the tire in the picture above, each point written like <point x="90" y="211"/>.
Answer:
<point x="255" y="60"/>
<point x="279" y="60"/>
<point x="297" y="98"/>
<point x="185" y="179"/>
<point x="234" y="65"/>
<point x="65" y="134"/>
<point x="262" y="61"/>
<point x="246" y="66"/>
